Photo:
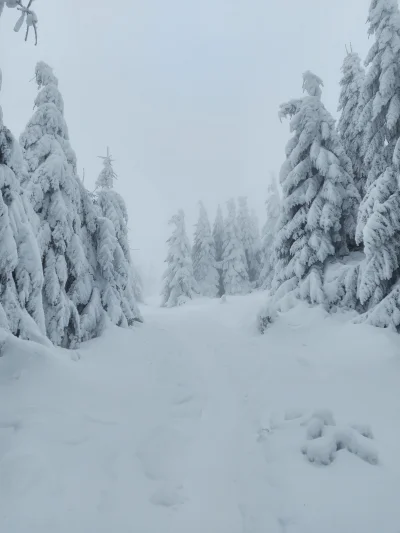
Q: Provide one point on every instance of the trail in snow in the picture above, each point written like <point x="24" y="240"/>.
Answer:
<point x="193" y="422"/>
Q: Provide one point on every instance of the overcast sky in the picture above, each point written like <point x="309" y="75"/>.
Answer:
<point x="184" y="92"/>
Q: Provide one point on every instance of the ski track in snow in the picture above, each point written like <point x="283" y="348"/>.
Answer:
<point x="195" y="423"/>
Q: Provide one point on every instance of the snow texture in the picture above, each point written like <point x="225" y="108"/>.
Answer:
<point x="192" y="423"/>
<point x="179" y="283"/>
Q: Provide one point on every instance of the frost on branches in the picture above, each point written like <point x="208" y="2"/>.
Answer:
<point x="21" y="308"/>
<point x="56" y="196"/>
<point x="248" y="234"/>
<point x="113" y="252"/>
<point x="379" y="215"/>
<point x="234" y="264"/>
<point x="350" y="106"/>
<point x="319" y="198"/>
<point x="218" y="235"/>
<point x="179" y="283"/>
<point x="203" y="256"/>
<point x="273" y="206"/>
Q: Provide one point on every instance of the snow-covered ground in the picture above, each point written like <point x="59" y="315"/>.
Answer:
<point x="194" y="423"/>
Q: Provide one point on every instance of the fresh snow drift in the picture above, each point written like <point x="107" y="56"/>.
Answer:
<point x="193" y="422"/>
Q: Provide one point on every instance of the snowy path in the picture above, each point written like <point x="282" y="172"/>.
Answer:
<point x="194" y="423"/>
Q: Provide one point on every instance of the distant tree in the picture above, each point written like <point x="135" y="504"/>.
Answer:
<point x="218" y="235"/>
<point x="350" y="106"/>
<point x="273" y="207"/>
<point x="179" y="283"/>
<point x="203" y="256"/>
<point x="234" y="263"/>
<point x="248" y="233"/>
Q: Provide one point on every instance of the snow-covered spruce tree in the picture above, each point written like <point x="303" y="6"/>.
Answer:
<point x="179" y="283"/>
<point x="218" y="235"/>
<point x="113" y="252"/>
<point x="21" y="278"/>
<point x="319" y="197"/>
<point x="234" y="264"/>
<point x="55" y="191"/>
<point x="378" y="221"/>
<point x="137" y="284"/>
<point x="379" y="118"/>
<point x="273" y="206"/>
<point x="203" y="256"/>
<point x="248" y="234"/>
<point x="350" y="106"/>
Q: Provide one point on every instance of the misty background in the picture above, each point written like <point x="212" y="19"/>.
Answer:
<point x="184" y="93"/>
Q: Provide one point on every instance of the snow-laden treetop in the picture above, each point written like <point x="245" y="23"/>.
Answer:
<point x="107" y="175"/>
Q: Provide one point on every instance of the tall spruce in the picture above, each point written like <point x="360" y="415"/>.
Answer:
<point x="234" y="264"/>
<point x="179" y="283"/>
<point x="378" y="225"/>
<point x="56" y="195"/>
<point x="203" y="255"/>
<point x="350" y="106"/>
<point x="218" y="235"/>
<point x="21" y="278"/>
<point x="113" y="251"/>
<point x="319" y="197"/>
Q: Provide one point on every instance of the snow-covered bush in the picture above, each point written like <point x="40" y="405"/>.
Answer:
<point x="179" y="283"/>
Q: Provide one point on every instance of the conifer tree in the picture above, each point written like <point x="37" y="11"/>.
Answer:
<point x="203" y="256"/>
<point x="378" y="221"/>
<point x="21" y="278"/>
<point x="248" y="234"/>
<point x="350" y="106"/>
<point x="113" y="252"/>
<point x="319" y="197"/>
<point x="273" y="207"/>
<point x="234" y="264"/>
<point x="56" y="195"/>
<point x="218" y="235"/>
<point x="179" y="283"/>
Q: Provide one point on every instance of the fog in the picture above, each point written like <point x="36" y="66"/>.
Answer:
<point x="184" y="93"/>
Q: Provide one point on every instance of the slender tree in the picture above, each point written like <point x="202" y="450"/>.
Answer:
<point x="218" y="235"/>
<point x="350" y="107"/>
<point x="118" y="295"/>
<point x="179" y="283"/>
<point x="203" y="255"/>
<point x="273" y="207"/>
<point x="234" y="264"/>
<point x="248" y="234"/>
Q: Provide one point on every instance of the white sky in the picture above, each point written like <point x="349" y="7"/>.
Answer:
<point x="184" y="92"/>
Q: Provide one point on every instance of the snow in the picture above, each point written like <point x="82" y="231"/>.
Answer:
<point x="194" y="422"/>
